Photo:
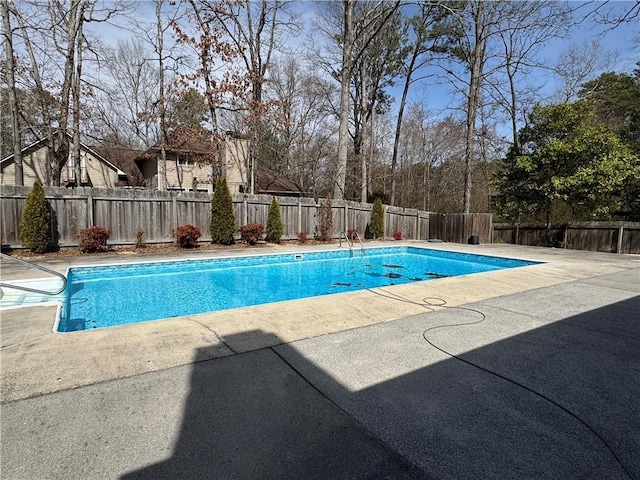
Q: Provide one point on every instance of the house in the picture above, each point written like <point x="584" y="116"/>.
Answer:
<point x="96" y="171"/>
<point x="124" y="158"/>
<point x="191" y="163"/>
<point x="270" y="183"/>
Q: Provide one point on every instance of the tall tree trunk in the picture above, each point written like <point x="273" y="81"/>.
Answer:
<point x="13" y="97"/>
<point x="345" y="80"/>
<point x="363" y="157"/>
<point x="475" y="82"/>
<point x="75" y="151"/>
<point x="161" y="100"/>
<point x="403" y="102"/>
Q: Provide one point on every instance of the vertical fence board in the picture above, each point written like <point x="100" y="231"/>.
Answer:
<point x="592" y="236"/>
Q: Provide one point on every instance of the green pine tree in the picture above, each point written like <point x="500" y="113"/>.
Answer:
<point x="377" y="220"/>
<point x="35" y="224"/>
<point x="274" y="223"/>
<point x="223" y="221"/>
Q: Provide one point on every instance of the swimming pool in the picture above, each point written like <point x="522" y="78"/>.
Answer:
<point x="110" y="295"/>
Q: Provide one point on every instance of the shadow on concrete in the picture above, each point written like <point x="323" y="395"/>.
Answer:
<point x="256" y="415"/>
<point x="252" y="416"/>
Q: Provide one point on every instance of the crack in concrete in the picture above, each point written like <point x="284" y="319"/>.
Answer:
<point x="215" y="334"/>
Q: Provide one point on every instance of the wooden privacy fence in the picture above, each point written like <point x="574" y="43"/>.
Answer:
<point x="157" y="214"/>
<point x="613" y="237"/>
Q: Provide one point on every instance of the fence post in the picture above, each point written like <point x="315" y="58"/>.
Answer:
<point x="620" y="233"/>
<point x="299" y="215"/>
<point x="174" y="210"/>
<point x="346" y="216"/>
<point x="90" y="214"/>
<point x="245" y="210"/>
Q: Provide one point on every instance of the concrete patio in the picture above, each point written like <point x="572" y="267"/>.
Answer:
<point x="544" y="381"/>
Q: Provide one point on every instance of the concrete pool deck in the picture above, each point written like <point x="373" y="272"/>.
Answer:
<point x="358" y="364"/>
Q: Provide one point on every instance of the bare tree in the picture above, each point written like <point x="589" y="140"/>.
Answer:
<point x="254" y="30"/>
<point x="375" y="69"/>
<point x="429" y="35"/>
<point x="615" y="13"/>
<point x="53" y="40"/>
<point x="525" y="28"/>
<point x="354" y="30"/>
<point x="125" y="106"/>
<point x="345" y="82"/>
<point x="482" y="22"/>
<point x="430" y="173"/>
<point x="10" y="70"/>
<point x="577" y="65"/>
<point x="302" y="119"/>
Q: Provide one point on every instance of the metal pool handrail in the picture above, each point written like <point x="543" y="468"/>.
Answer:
<point x="39" y="267"/>
<point x="351" y="241"/>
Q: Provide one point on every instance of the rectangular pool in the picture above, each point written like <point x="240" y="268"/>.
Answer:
<point x="110" y="295"/>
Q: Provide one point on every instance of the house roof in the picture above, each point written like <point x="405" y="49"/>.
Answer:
<point x="43" y="141"/>
<point x="270" y="182"/>
<point x="188" y="140"/>
<point x="124" y="158"/>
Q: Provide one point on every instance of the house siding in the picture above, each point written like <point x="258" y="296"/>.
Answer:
<point x="99" y="174"/>
<point x="236" y="154"/>
<point x="180" y="177"/>
<point x="35" y="167"/>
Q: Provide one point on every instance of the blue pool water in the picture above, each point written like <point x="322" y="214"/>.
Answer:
<point x="111" y="295"/>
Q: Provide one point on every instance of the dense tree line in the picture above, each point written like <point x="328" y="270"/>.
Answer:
<point x="342" y="104"/>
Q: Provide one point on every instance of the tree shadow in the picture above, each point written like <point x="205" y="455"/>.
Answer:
<point x="275" y="413"/>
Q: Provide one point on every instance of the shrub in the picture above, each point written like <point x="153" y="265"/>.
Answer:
<point x="251" y="233"/>
<point x="140" y="241"/>
<point x="93" y="239"/>
<point x="274" y="223"/>
<point x="325" y="221"/>
<point x="223" y="221"/>
<point x="35" y="224"/>
<point x="367" y="232"/>
<point x="397" y="235"/>
<point x="302" y="237"/>
<point x="377" y="220"/>
<point x="187" y="236"/>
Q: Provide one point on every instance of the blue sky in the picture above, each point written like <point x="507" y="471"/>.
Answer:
<point x="621" y="44"/>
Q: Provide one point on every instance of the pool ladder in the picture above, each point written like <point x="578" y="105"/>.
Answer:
<point x="350" y="241"/>
<point x="33" y="290"/>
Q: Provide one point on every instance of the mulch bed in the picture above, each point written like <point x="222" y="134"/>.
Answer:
<point x="152" y="249"/>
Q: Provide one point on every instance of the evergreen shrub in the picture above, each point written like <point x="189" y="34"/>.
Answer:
<point x="377" y="220"/>
<point x="274" y="223"/>
<point x="223" y="221"/>
<point x="35" y="224"/>
<point x="325" y="221"/>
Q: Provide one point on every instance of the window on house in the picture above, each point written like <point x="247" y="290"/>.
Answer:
<point x="83" y="166"/>
<point x="182" y="160"/>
